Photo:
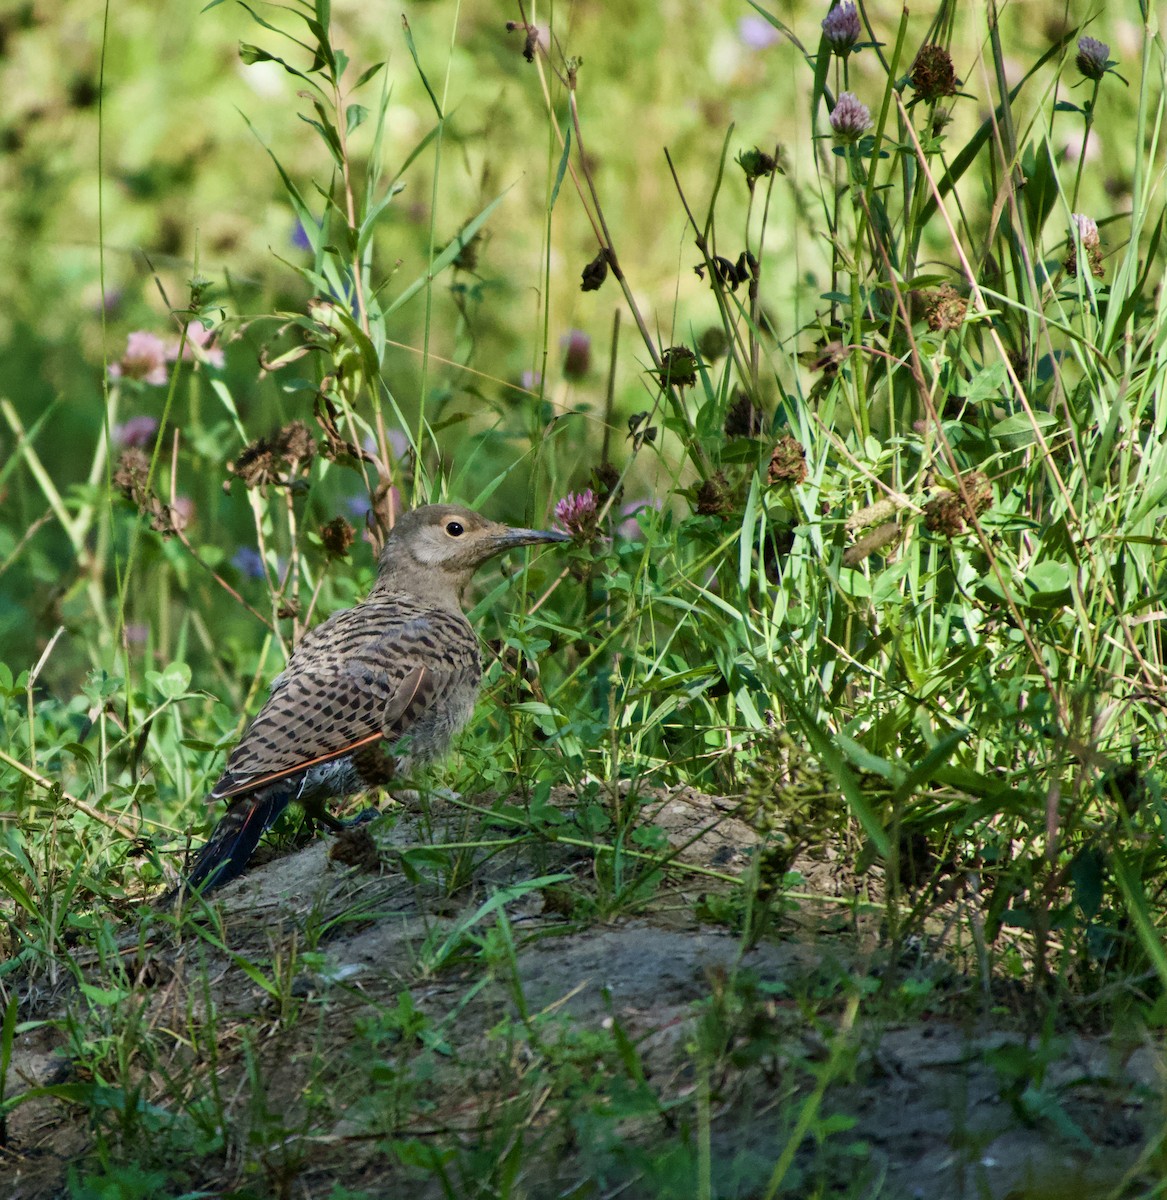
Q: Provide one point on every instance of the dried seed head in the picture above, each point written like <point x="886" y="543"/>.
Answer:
<point x="714" y="498"/>
<point x="933" y="74"/>
<point x="132" y="479"/>
<point x="743" y="420"/>
<point x="788" y="461"/>
<point x="336" y="537"/>
<point x="1087" y="231"/>
<point x="275" y="460"/>
<point x="607" y="479"/>
<point x="948" y="513"/>
<point x="678" y="367"/>
<point x="595" y="273"/>
<point x="946" y="309"/>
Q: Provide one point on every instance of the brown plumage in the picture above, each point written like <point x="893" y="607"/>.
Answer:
<point x="368" y="692"/>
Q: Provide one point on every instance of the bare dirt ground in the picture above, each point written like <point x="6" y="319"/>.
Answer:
<point x="675" y="1043"/>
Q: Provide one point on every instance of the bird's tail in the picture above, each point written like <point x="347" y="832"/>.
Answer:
<point x="233" y="840"/>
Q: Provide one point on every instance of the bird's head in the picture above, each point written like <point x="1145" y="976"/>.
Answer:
<point x="433" y="551"/>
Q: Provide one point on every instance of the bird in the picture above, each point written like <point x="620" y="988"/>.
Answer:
<point x="366" y="695"/>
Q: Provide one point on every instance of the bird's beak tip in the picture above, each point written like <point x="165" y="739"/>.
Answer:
<point x="532" y="537"/>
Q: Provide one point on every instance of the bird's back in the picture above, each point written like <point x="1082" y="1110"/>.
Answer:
<point x="345" y="681"/>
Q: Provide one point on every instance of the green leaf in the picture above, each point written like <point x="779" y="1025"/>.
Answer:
<point x="563" y="161"/>
<point x="355" y="116"/>
<point x="172" y="682"/>
<point x="1019" y="428"/>
<point x="105" y="997"/>
<point x="417" y="63"/>
<point x="368" y="74"/>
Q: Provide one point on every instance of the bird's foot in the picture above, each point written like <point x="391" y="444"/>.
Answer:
<point x="336" y="824"/>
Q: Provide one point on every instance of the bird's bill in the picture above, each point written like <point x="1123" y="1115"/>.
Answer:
<point x="528" y="537"/>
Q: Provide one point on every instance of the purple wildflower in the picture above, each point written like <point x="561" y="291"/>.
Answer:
<point x="198" y="337"/>
<point x="137" y="431"/>
<point x="756" y="33"/>
<point x="144" y="359"/>
<point x="182" y="511"/>
<point x="531" y="381"/>
<point x="1087" y="229"/>
<point x="300" y="238"/>
<point x="578" y="515"/>
<point x="629" y="527"/>
<point x="841" y="27"/>
<point x="398" y="439"/>
<point x="850" y="119"/>
<point x="248" y="561"/>
<point x="577" y="353"/>
<point x="1093" y="57"/>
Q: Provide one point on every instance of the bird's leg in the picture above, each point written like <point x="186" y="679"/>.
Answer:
<point x="316" y="814"/>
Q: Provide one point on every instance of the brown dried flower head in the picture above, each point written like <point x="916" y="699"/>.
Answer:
<point x="714" y="498"/>
<point x="1087" y="230"/>
<point x="933" y="74"/>
<point x="947" y="514"/>
<point x="594" y="273"/>
<point x="336" y="537"/>
<point x="946" y="309"/>
<point x="275" y="460"/>
<point x="132" y="479"/>
<point x="678" y="367"/>
<point x="788" y="461"/>
<point x="744" y="420"/>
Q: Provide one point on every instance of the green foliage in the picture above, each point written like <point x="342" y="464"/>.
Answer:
<point x="875" y="495"/>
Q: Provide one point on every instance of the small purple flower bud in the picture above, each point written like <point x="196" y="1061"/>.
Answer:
<point x="577" y="353"/>
<point x="756" y="32"/>
<point x="850" y="119"/>
<point x="1087" y="230"/>
<point x="841" y="27"/>
<point x="197" y="335"/>
<point x="137" y="431"/>
<point x="248" y="561"/>
<point x="1093" y="57"/>
<point x="144" y="359"/>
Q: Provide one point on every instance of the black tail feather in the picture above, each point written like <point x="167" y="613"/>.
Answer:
<point x="234" y="839"/>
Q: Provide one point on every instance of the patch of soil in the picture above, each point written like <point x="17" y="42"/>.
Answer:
<point x="366" y="1025"/>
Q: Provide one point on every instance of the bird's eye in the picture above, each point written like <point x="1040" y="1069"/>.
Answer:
<point x="454" y="528"/>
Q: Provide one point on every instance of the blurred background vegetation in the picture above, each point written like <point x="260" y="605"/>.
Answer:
<point x="107" y="212"/>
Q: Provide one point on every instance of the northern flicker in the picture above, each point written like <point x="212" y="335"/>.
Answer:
<point x="368" y="693"/>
